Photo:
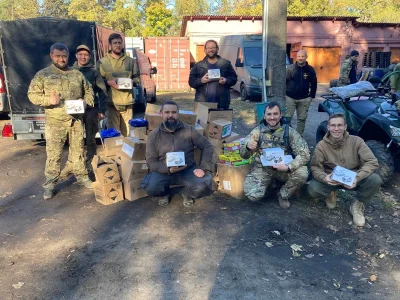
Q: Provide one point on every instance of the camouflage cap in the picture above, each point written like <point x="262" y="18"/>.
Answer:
<point x="82" y="47"/>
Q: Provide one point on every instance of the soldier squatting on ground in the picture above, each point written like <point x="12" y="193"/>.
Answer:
<point x="270" y="134"/>
<point x="49" y="89"/>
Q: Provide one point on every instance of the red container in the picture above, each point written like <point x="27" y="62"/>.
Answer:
<point x="171" y="56"/>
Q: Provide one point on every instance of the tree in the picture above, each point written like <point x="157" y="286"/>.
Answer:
<point x="23" y="9"/>
<point x="86" y="10"/>
<point x="248" y="7"/>
<point x="222" y="7"/>
<point x="55" y="8"/>
<point x="159" y="20"/>
<point x="124" y="17"/>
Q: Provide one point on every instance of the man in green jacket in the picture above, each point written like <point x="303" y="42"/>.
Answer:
<point x="49" y="89"/>
<point x="348" y="69"/>
<point x="270" y="134"/>
<point x="338" y="148"/>
<point x="116" y="64"/>
<point x="92" y="114"/>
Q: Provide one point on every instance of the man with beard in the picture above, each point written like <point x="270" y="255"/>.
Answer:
<point x="92" y="114"/>
<point x="338" y="148"/>
<point x="174" y="136"/>
<point x="301" y="86"/>
<point x="348" y="69"/>
<point x="270" y="134"/>
<point x="49" y="89"/>
<point x="116" y="64"/>
<point x="209" y="90"/>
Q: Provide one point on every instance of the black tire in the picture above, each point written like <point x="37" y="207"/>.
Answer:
<point x="141" y="106"/>
<point x="385" y="159"/>
<point x="321" y="131"/>
<point x="243" y="93"/>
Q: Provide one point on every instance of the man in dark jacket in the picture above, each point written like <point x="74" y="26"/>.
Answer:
<point x="92" y="114"/>
<point x="213" y="89"/>
<point x="301" y="86"/>
<point x="348" y="69"/>
<point x="174" y="136"/>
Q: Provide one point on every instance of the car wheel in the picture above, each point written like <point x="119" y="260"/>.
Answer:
<point x="243" y="93"/>
<point x="385" y="159"/>
<point x="321" y="131"/>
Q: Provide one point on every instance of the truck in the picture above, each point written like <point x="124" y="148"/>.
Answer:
<point x="21" y="58"/>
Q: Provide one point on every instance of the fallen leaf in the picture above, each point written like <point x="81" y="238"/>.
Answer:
<point x="295" y="253"/>
<point x="224" y="208"/>
<point x="372" y="278"/>
<point x="337" y="285"/>
<point x="349" y="287"/>
<point x="333" y="228"/>
<point x="309" y="255"/>
<point x="269" y="245"/>
<point x="276" y="232"/>
<point x="18" y="285"/>
<point x="357" y="274"/>
<point x="396" y="213"/>
<point x="32" y="196"/>
<point x="362" y="253"/>
<point x="296" y="247"/>
<point x="381" y="255"/>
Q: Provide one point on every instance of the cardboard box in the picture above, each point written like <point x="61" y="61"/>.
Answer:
<point x="231" y="179"/>
<point x="175" y="159"/>
<point x="124" y="83"/>
<point x="113" y="145"/>
<point x="134" y="149"/>
<point x="218" y="144"/>
<point x="199" y="129"/>
<point x="154" y="120"/>
<point x="152" y="108"/>
<point x="133" y="190"/>
<point x="272" y="157"/>
<point x="208" y="104"/>
<point x="74" y="107"/>
<point x="188" y="117"/>
<point x="138" y="132"/>
<point x="108" y="194"/>
<point x="132" y="170"/>
<point x="219" y="129"/>
<point x="106" y="170"/>
<point x="343" y="175"/>
<point x="217" y="114"/>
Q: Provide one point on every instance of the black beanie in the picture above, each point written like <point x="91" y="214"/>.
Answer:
<point x="354" y="53"/>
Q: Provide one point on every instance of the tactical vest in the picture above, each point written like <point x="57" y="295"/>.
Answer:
<point x="277" y="143"/>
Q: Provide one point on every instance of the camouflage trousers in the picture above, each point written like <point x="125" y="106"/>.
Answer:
<point x="56" y="136"/>
<point x="118" y="119"/>
<point x="257" y="182"/>
<point x="301" y="107"/>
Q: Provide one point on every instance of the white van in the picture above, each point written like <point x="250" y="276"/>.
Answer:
<point x="245" y="54"/>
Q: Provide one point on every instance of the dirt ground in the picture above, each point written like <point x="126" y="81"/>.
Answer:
<point x="72" y="247"/>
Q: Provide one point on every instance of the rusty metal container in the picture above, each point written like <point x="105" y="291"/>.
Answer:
<point x="171" y="56"/>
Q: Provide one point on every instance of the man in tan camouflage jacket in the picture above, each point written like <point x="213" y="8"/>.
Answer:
<point x="49" y="89"/>
<point x="270" y="134"/>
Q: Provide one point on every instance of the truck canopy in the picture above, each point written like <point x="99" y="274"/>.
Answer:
<point x="26" y="45"/>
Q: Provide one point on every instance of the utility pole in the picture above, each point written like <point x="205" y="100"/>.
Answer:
<point x="274" y="50"/>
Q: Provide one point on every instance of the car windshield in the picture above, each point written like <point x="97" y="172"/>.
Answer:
<point x="253" y="56"/>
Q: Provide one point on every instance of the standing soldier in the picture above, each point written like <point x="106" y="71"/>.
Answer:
<point x="348" y="69"/>
<point x="50" y="88"/>
<point x="92" y="114"/>
<point x="116" y="64"/>
<point x="270" y="134"/>
<point x="301" y="86"/>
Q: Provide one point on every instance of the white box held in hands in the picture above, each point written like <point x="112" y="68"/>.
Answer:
<point x="343" y="175"/>
<point x="74" y="107"/>
<point x="124" y="83"/>
<point x="175" y="159"/>
<point x="272" y="157"/>
<point x="214" y="74"/>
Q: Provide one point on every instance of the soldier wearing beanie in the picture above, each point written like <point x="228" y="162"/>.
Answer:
<point x="348" y="70"/>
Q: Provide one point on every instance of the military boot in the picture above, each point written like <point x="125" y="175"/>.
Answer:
<point x="284" y="203"/>
<point x="331" y="200"/>
<point x="164" y="201"/>
<point x="85" y="181"/>
<point x="187" y="202"/>
<point x="67" y="171"/>
<point x="48" y="193"/>
<point x="357" y="211"/>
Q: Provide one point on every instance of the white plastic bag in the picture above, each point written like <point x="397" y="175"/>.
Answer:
<point x="352" y="90"/>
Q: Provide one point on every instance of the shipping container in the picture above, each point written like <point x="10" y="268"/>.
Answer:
<point x="133" y="43"/>
<point x="171" y="56"/>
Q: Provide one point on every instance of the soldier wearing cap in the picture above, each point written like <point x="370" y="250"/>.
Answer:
<point x="49" y="89"/>
<point x="116" y="64"/>
<point x="92" y="114"/>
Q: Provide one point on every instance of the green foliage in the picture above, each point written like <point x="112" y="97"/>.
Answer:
<point x="124" y="17"/>
<point x="159" y="20"/>
<point x="85" y="10"/>
<point x="55" y="8"/>
<point x="22" y="9"/>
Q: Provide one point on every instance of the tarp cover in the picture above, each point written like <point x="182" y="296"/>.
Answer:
<point x="26" y="45"/>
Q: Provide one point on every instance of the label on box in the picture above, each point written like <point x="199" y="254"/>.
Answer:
<point x="226" y="185"/>
<point x="75" y="106"/>
<point x="124" y="83"/>
<point x="272" y="156"/>
<point x="175" y="159"/>
<point x="128" y="150"/>
<point x="343" y="175"/>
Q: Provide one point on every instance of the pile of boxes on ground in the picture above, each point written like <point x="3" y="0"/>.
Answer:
<point x="121" y="165"/>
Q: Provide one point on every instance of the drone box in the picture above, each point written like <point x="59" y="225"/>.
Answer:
<point x="74" y="107"/>
<point x="108" y="194"/>
<point x="214" y="74"/>
<point x="343" y="175"/>
<point x="124" y="83"/>
<point x="272" y="157"/>
<point x="106" y="170"/>
<point x="175" y="159"/>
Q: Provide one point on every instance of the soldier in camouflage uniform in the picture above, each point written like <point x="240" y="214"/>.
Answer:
<point x="348" y="69"/>
<point x="50" y="88"/>
<point x="270" y="134"/>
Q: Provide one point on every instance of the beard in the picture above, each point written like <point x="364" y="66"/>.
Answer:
<point x="171" y="124"/>
<point x="61" y="67"/>
<point x="214" y="55"/>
